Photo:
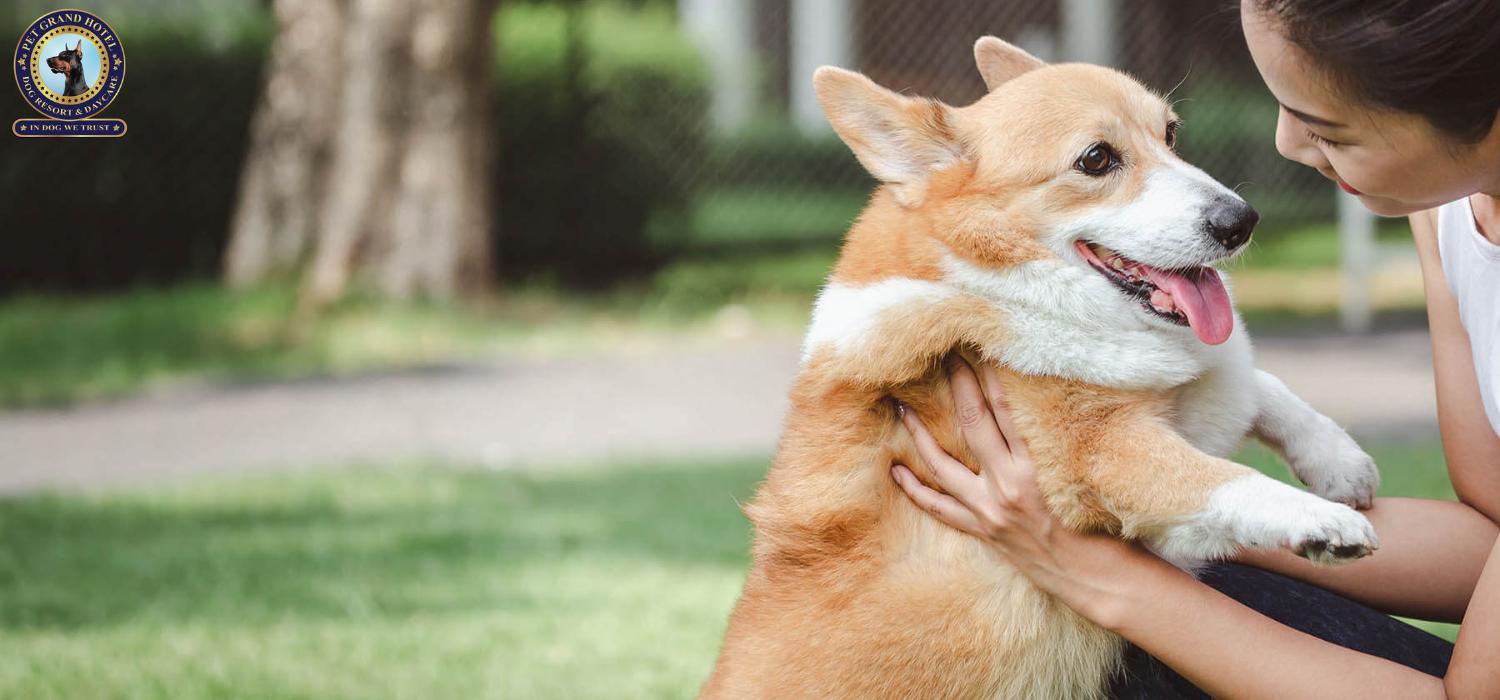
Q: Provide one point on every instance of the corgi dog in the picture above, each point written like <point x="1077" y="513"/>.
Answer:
<point x="1048" y="229"/>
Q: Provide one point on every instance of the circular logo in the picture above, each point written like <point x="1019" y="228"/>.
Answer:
<point x="69" y="64"/>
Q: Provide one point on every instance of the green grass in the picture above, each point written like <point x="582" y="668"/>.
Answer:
<point x="55" y="349"/>
<point x="392" y="583"/>
<point x="403" y="582"/>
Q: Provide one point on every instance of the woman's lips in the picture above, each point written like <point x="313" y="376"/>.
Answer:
<point x="1345" y="187"/>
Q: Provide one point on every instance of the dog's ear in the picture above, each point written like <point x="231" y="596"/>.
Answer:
<point x="1000" y="61"/>
<point x="901" y="140"/>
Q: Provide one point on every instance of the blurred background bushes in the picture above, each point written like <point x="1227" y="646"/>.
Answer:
<point x="602" y="123"/>
<point x="149" y="208"/>
<point x="622" y="201"/>
<point x="610" y="169"/>
<point x="596" y="177"/>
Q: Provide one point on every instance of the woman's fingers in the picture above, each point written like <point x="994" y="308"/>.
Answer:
<point x="947" y="508"/>
<point x="974" y="417"/>
<point x="949" y="473"/>
<point x="1014" y="479"/>
<point x="995" y="394"/>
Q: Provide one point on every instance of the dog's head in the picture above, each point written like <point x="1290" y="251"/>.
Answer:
<point x="1072" y="163"/>
<point x="67" y="60"/>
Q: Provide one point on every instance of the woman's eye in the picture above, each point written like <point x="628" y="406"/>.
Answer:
<point x="1319" y="139"/>
<point x="1098" y="160"/>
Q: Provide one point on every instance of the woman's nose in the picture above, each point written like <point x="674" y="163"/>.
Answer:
<point x="1294" y="145"/>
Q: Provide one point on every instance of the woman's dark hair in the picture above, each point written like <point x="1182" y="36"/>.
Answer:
<point x="1436" y="58"/>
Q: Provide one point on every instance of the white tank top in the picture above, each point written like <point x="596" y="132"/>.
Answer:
<point x="1472" y="265"/>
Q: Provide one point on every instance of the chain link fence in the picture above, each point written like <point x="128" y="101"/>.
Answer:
<point x="776" y="175"/>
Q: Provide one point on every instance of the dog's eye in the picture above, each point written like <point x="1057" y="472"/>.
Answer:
<point x="1172" y="127"/>
<point x="1098" y="160"/>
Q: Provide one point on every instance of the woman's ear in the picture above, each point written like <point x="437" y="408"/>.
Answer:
<point x="901" y="140"/>
<point x="1000" y="61"/>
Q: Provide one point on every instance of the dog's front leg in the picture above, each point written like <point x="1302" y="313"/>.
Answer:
<point x="1318" y="451"/>
<point x="1189" y="506"/>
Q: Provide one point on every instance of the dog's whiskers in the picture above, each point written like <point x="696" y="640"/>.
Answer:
<point x="1179" y="83"/>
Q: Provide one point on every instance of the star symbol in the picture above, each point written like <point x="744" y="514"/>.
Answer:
<point x="119" y="61"/>
<point x="20" y="61"/>
<point x="117" y="127"/>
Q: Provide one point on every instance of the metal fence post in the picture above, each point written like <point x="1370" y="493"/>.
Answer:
<point x="722" y="29"/>
<point x="822" y="34"/>
<point x="1090" y="31"/>
<point x="1357" y="258"/>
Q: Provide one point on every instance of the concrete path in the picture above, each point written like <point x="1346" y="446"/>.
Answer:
<point x="719" y="400"/>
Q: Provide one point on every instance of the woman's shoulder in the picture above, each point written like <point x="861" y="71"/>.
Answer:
<point x="1424" y="231"/>
<point x="1433" y="223"/>
<point x="1447" y="231"/>
<point x="1424" y="224"/>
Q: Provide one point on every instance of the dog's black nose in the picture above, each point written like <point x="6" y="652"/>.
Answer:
<point x="1230" y="222"/>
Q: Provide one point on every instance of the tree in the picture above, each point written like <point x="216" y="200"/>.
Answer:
<point x="370" y="151"/>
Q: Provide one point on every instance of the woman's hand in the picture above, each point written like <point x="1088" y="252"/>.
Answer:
<point x="1002" y="504"/>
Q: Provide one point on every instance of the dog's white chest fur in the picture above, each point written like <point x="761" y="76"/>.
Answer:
<point x="1065" y="321"/>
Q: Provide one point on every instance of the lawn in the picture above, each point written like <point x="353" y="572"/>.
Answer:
<point x="409" y="581"/>
<point x="55" y="348"/>
<point x="63" y="349"/>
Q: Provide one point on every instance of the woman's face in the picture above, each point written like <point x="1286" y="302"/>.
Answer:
<point x="1396" y="162"/>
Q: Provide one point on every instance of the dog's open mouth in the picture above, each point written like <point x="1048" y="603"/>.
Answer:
<point x="1193" y="297"/>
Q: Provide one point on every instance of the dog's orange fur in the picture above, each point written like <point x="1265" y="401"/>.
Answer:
<point x="853" y="591"/>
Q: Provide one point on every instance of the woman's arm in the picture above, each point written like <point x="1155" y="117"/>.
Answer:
<point x="1470" y="444"/>
<point x="1232" y="651"/>
<point x="1219" y="644"/>
<point x="1223" y="647"/>
<point x="1431" y="554"/>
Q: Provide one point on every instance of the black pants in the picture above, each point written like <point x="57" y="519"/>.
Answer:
<point x="1294" y="604"/>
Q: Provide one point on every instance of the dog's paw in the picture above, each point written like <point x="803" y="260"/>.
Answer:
<point x="1333" y="465"/>
<point x="1330" y="535"/>
<point x="1257" y="511"/>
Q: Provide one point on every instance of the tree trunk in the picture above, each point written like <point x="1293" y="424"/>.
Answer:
<point x="282" y="182"/>
<point x="400" y="178"/>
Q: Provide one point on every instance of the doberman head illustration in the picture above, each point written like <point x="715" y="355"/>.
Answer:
<point x="70" y="63"/>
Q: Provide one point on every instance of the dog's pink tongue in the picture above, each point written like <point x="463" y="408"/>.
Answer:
<point x="1201" y="297"/>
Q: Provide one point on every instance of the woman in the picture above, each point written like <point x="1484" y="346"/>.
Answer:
<point x="1396" y="101"/>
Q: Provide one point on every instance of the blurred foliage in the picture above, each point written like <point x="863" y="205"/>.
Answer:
<point x="598" y="138"/>
<point x="1229" y="129"/>
<point x="406" y="582"/>
<point x="150" y="207"/>
<point x="730" y="221"/>
<point x="771" y="186"/>
<point x="778" y="150"/>
<point x="602" y="112"/>
<point x="691" y="286"/>
<point x="608" y="168"/>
